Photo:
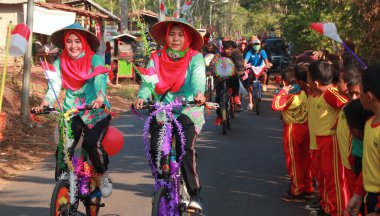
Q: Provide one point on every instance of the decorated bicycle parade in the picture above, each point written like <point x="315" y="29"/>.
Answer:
<point x="232" y="116"/>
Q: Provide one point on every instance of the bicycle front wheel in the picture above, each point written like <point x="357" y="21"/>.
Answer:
<point x="160" y="204"/>
<point x="60" y="200"/>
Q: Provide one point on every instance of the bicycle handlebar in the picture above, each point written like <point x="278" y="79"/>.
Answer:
<point x="150" y="104"/>
<point x="48" y="110"/>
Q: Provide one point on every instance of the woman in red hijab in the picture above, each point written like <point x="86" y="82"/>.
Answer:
<point x="180" y="69"/>
<point x="82" y="74"/>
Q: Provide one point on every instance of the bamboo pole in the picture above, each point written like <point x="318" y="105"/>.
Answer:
<point x="9" y="29"/>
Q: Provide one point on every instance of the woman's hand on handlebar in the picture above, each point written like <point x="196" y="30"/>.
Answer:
<point x="98" y="102"/>
<point x="199" y="98"/>
<point x="138" y="103"/>
<point x="40" y="108"/>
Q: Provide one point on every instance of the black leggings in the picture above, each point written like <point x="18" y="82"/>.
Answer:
<point x="92" y="142"/>
<point x="232" y="82"/>
<point x="189" y="165"/>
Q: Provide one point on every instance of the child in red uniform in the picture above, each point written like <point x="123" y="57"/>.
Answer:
<point x="327" y="106"/>
<point x="291" y="101"/>
<point x="356" y="117"/>
<point x="349" y="76"/>
<point x="370" y="99"/>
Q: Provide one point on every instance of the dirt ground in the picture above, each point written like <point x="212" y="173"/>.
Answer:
<point x="26" y="144"/>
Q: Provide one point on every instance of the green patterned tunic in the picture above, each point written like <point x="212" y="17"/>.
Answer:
<point x="195" y="81"/>
<point x="92" y="88"/>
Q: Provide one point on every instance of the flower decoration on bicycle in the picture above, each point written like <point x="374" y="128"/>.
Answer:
<point x="225" y="67"/>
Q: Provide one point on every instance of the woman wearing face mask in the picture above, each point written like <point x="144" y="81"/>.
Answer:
<point x="180" y="69"/>
<point x="82" y="74"/>
<point x="256" y="57"/>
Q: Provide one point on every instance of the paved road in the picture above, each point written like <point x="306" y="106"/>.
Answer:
<point x="243" y="173"/>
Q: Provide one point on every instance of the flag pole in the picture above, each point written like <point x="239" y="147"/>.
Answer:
<point x="5" y="63"/>
<point x="364" y="66"/>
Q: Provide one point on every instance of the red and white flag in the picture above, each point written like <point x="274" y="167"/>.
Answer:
<point x="49" y="70"/>
<point x="175" y="15"/>
<point x="19" y="40"/>
<point x="148" y="74"/>
<point x="327" y="29"/>
<point x="257" y="71"/>
<point x="162" y="10"/>
<point x="187" y="6"/>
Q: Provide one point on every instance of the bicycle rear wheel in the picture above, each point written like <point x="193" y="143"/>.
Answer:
<point x="60" y="200"/>
<point x="209" y="90"/>
<point x="160" y="203"/>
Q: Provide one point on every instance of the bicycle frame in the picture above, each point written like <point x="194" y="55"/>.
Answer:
<point x="76" y="180"/>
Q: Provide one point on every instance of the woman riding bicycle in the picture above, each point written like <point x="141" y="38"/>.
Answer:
<point x="181" y="74"/>
<point x="82" y="74"/>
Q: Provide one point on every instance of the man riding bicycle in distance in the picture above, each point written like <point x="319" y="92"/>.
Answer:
<point x="255" y="57"/>
<point x="229" y="48"/>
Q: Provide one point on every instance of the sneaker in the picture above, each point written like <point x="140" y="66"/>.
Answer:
<point x="218" y="121"/>
<point x="195" y="203"/>
<point x="237" y="100"/>
<point x="309" y="195"/>
<point x="264" y="88"/>
<point x="250" y="107"/>
<point x="319" y="212"/>
<point x="106" y="186"/>
<point x="293" y="198"/>
<point x="314" y="206"/>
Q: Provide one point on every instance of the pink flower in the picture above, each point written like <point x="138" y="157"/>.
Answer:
<point x="91" y="116"/>
<point x="76" y="100"/>
<point x="195" y="114"/>
<point x="90" y="126"/>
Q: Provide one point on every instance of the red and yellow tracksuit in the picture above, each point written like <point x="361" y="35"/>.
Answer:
<point x="371" y="164"/>
<point x="331" y="175"/>
<point x="293" y="108"/>
<point x="313" y="122"/>
<point x="345" y="146"/>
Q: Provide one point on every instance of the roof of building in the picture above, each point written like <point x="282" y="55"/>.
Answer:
<point x="78" y="11"/>
<point x="95" y="5"/>
<point x="12" y="1"/>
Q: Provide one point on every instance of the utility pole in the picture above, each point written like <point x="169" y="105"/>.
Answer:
<point x="124" y="16"/>
<point x="27" y="66"/>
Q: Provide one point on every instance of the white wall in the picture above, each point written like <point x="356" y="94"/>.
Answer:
<point x="8" y="12"/>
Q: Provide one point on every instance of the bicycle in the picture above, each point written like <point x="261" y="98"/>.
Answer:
<point x="227" y="107"/>
<point x="209" y="87"/>
<point x="256" y="86"/>
<point x="170" y="194"/>
<point x="77" y="180"/>
<point x="225" y="68"/>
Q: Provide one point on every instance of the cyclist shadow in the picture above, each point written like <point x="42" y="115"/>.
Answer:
<point x="144" y="190"/>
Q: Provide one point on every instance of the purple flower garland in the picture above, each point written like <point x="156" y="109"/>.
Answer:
<point x="83" y="172"/>
<point x="172" y="206"/>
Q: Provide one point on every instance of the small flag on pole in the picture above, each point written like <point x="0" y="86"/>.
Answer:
<point x="49" y="69"/>
<point x="187" y="6"/>
<point x="162" y="10"/>
<point x="19" y="40"/>
<point x="327" y="29"/>
<point x="148" y="74"/>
